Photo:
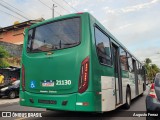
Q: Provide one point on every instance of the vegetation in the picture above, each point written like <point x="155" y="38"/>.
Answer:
<point x="14" y="61"/>
<point x="151" y="69"/>
<point x="3" y="55"/>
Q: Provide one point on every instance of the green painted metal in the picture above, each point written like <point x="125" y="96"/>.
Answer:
<point x="125" y="74"/>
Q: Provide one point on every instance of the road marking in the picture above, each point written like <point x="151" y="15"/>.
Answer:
<point x="20" y="118"/>
<point x="8" y="101"/>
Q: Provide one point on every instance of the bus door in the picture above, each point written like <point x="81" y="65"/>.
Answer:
<point x="118" y="82"/>
<point x="144" y="77"/>
<point x="136" y="76"/>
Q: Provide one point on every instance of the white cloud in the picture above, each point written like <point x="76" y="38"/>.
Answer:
<point x="109" y="10"/>
<point x="129" y="8"/>
<point x="149" y="52"/>
<point x="85" y="9"/>
<point x="92" y="12"/>
<point x="124" y="26"/>
<point x="138" y="7"/>
<point x="74" y="3"/>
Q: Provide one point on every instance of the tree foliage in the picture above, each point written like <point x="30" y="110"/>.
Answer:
<point x="151" y="69"/>
<point x="3" y="63"/>
<point x="3" y="55"/>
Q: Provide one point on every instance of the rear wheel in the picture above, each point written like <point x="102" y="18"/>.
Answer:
<point x="128" y="98"/>
<point x="141" y="94"/>
<point x="12" y="94"/>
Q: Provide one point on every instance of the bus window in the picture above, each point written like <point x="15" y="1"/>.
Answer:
<point x="137" y="65"/>
<point x="103" y="47"/>
<point x="123" y="60"/>
<point x="130" y="64"/>
<point x="56" y="35"/>
<point x="140" y="69"/>
<point x="30" y="37"/>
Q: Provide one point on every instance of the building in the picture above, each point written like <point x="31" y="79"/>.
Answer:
<point x="11" y="38"/>
<point x="14" y="33"/>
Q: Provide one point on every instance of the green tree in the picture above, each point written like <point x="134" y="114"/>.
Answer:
<point x="148" y="61"/>
<point x="3" y="55"/>
<point x="151" y="69"/>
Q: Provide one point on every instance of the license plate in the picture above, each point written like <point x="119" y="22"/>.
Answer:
<point x="47" y="83"/>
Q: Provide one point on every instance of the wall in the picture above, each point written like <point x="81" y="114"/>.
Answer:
<point x="13" y="36"/>
<point x="14" y="50"/>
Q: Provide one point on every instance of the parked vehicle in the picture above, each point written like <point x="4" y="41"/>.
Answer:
<point x="153" y="98"/>
<point x="11" y="90"/>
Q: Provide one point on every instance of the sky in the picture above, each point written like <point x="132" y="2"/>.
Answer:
<point x="135" y="23"/>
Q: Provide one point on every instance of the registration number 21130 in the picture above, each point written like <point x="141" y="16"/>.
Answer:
<point x="63" y="82"/>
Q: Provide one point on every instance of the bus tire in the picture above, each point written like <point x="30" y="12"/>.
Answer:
<point x="128" y="98"/>
<point x="141" y="94"/>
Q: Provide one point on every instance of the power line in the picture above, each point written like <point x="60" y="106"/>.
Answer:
<point x="45" y="4"/>
<point x="70" y="5"/>
<point x="13" y="6"/>
<point x="11" y="15"/>
<point x="14" y="11"/>
<point x="61" y="6"/>
<point x="48" y="6"/>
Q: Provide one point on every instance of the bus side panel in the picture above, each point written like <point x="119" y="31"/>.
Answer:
<point x="98" y="71"/>
<point x="96" y="82"/>
<point x="132" y="85"/>
<point x="87" y="98"/>
<point x="140" y="84"/>
<point x="108" y="93"/>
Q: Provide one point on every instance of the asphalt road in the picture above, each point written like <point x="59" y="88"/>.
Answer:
<point x="138" y="104"/>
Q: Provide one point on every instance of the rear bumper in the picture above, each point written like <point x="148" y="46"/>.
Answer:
<point x="56" y="102"/>
<point x="152" y="104"/>
<point x="2" y="94"/>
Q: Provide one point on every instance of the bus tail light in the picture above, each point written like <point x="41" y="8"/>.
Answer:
<point x="23" y="78"/>
<point x="80" y="12"/>
<point x="152" y="92"/>
<point x="84" y="76"/>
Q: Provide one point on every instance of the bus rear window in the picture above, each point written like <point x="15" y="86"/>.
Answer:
<point x="56" y="35"/>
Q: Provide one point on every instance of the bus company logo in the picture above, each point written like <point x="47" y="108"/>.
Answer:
<point x="32" y="84"/>
<point x="6" y="114"/>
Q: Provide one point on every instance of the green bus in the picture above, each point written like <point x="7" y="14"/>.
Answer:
<point x="73" y="63"/>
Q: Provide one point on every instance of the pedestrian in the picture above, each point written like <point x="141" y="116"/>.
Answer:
<point x="1" y="78"/>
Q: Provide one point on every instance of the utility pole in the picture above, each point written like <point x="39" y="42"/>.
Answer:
<point x="53" y="10"/>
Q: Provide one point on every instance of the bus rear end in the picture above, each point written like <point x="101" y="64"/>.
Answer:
<point x="56" y="65"/>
